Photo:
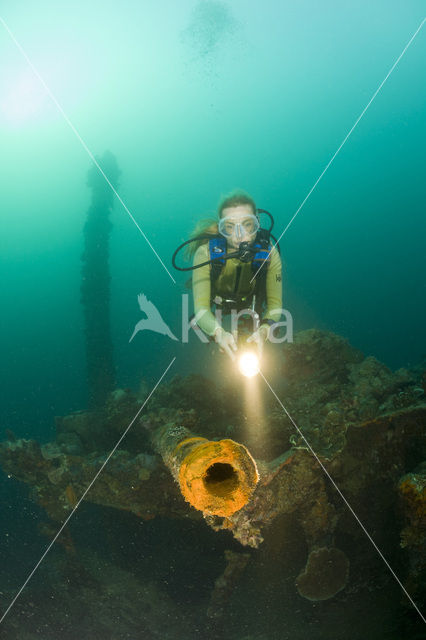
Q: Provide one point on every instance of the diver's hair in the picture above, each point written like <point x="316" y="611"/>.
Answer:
<point x="206" y="225"/>
<point x="234" y="199"/>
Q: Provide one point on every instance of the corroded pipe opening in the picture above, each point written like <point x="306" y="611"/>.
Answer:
<point x="218" y="478"/>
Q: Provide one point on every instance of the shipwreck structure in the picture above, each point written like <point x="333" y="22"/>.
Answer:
<point x="365" y="423"/>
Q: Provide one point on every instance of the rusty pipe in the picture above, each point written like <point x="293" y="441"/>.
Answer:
<point x="217" y="477"/>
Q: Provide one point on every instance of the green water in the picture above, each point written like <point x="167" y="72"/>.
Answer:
<point x="195" y="98"/>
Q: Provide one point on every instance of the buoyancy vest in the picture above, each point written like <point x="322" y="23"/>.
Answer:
<point x="259" y="267"/>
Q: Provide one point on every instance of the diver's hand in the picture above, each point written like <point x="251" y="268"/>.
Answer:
<point x="259" y="337"/>
<point x="226" y="342"/>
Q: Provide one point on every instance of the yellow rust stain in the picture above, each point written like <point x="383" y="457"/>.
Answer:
<point x="216" y="496"/>
<point x="186" y="442"/>
<point x="71" y="496"/>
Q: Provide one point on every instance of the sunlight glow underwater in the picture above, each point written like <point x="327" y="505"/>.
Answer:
<point x="23" y="98"/>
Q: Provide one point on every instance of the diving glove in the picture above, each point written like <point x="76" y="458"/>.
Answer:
<point x="226" y="342"/>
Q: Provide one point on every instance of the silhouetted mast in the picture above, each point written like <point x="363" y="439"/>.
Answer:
<point x="95" y="282"/>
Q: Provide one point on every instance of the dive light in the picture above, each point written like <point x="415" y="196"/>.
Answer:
<point x="248" y="364"/>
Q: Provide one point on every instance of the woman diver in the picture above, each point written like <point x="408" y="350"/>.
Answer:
<point x="235" y="267"/>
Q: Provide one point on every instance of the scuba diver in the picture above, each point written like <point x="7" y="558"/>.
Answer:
<point x="235" y="267"/>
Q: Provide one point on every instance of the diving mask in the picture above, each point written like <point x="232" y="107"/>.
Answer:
<point x="238" y="228"/>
